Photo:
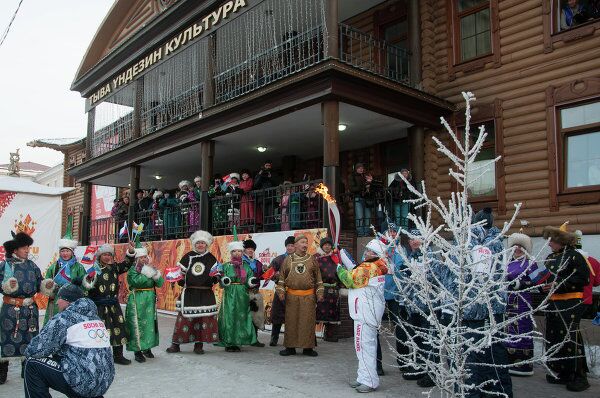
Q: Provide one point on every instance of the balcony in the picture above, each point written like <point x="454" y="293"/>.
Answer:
<point x="288" y="38"/>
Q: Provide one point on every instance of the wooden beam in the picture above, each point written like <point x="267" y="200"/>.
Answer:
<point x="330" y="112"/>
<point x="333" y="31"/>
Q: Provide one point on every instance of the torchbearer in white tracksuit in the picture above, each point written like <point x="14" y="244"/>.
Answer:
<point x="366" y="303"/>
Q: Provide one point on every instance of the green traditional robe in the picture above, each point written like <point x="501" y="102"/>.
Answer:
<point x="77" y="271"/>
<point x="141" y="317"/>
<point x="235" y="320"/>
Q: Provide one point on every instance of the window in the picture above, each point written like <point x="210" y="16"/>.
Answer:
<point x="580" y="137"/>
<point x="570" y="14"/>
<point x="484" y="177"/>
<point x="474" y="29"/>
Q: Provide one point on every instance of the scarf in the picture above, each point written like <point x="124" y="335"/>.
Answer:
<point x="63" y="275"/>
<point x="240" y="271"/>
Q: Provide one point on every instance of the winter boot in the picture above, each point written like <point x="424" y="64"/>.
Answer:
<point x="198" y="348"/>
<point x="3" y="371"/>
<point x="555" y="380"/>
<point x="173" y="349"/>
<point x="148" y="354"/>
<point x="380" y="371"/>
<point x="425" y="382"/>
<point x="275" y="330"/>
<point x="580" y="383"/>
<point x="331" y="333"/>
<point x="139" y="357"/>
<point x="309" y="352"/>
<point x="118" y="357"/>
<point x="287" y="352"/>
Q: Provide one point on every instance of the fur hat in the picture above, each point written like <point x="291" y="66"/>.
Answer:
<point x="325" y="241"/>
<point x="249" y="243"/>
<point x="157" y="194"/>
<point x="560" y="235"/>
<point x="197" y="179"/>
<point x="290" y="240"/>
<point x="298" y="238"/>
<point x="141" y="252"/>
<point x="183" y="183"/>
<point x="234" y="175"/>
<point x="201" y="236"/>
<point x="19" y="240"/>
<point x="377" y="247"/>
<point x="522" y="240"/>
<point x="105" y="248"/>
<point x="235" y="245"/>
<point x="484" y="215"/>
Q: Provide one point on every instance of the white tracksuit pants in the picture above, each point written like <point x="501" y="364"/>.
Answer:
<point x="365" y="344"/>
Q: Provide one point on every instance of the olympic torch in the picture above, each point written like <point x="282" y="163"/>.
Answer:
<point x="333" y="212"/>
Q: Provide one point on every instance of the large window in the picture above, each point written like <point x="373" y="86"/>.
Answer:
<point x="474" y="38"/>
<point x="484" y="177"/>
<point x="580" y="136"/>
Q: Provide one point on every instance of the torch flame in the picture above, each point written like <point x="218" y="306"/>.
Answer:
<point x="322" y="190"/>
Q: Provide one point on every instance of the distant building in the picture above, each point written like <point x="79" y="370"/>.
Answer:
<point x="28" y="170"/>
<point x="53" y="177"/>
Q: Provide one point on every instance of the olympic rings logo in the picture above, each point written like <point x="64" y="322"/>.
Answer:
<point x="100" y="335"/>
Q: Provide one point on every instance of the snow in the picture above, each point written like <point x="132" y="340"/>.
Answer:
<point x="22" y="185"/>
<point x="262" y="372"/>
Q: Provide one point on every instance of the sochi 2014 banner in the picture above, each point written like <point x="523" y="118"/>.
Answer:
<point x="102" y="201"/>
<point x="37" y="215"/>
<point x="166" y="254"/>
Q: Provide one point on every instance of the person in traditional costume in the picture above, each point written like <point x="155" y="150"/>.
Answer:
<point x="197" y="307"/>
<point x="328" y="310"/>
<point x="367" y="305"/>
<point x="523" y="273"/>
<point x="300" y="286"/>
<point x="65" y="269"/>
<point x="257" y="305"/>
<point x="141" y="315"/>
<point x="20" y="280"/>
<point x="278" y="306"/>
<point x="594" y="266"/>
<point x="103" y="290"/>
<point x="235" y="321"/>
<point x="570" y="276"/>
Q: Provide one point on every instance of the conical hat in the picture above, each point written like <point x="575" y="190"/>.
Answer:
<point x="140" y="250"/>
<point x="67" y="241"/>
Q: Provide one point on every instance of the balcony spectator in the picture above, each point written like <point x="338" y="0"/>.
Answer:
<point x="120" y="212"/>
<point x="247" y="203"/>
<point x="594" y="9"/>
<point x="284" y="206"/>
<point x="198" y="187"/>
<point x="169" y="207"/>
<point x="360" y="184"/>
<point x="400" y="194"/>
<point x="218" y="207"/>
<point x="573" y="14"/>
<point x="156" y="215"/>
<point x="310" y="206"/>
<point x="142" y="206"/>
<point x="265" y="179"/>
<point x="189" y="206"/>
<point x="234" y="194"/>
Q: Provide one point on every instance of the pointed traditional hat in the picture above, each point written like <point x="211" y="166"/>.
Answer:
<point x="67" y="241"/>
<point x="140" y="251"/>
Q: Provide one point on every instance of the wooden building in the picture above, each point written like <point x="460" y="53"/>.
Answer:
<point x="176" y="89"/>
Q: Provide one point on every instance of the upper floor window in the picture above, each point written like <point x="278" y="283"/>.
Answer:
<point x="579" y="129"/>
<point x="474" y="33"/>
<point x="572" y="13"/>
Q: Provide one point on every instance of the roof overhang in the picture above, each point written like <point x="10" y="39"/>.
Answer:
<point x="58" y="144"/>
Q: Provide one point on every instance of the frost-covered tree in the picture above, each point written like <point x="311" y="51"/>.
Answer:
<point x="455" y="289"/>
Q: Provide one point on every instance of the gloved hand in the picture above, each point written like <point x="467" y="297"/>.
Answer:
<point x="225" y="281"/>
<point x="596" y="320"/>
<point x="253" y="306"/>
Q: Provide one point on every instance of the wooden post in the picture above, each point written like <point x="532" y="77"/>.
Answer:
<point x="207" y="151"/>
<point x="137" y="108"/>
<point x="85" y="222"/>
<point x="333" y="31"/>
<point x="134" y="185"/>
<point x="414" y="38"/>
<point x="330" y="113"/>
<point x="209" y="80"/>
<point x="90" y="134"/>
<point x="416" y="136"/>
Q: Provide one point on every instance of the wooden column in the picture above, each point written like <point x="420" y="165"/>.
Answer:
<point x="414" y="38"/>
<point x="330" y="114"/>
<point x="207" y="151"/>
<point x="209" y="80"/>
<point x="85" y="222"/>
<point x="90" y="134"/>
<point x="416" y="135"/>
<point x="333" y="31"/>
<point x="134" y="185"/>
<point x="137" y="108"/>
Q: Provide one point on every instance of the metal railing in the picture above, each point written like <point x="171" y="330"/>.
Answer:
<point x="163" y="114"/>
<point x="112" y="136"/>
<point x="363" y="51"/>
<point x="300" y="51"/>
<point x="282" y="208"/>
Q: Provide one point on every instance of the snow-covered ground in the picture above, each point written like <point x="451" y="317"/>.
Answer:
<point x="261" y="372"/>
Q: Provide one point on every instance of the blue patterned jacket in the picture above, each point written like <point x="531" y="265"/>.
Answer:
<point x="87" y="369"/>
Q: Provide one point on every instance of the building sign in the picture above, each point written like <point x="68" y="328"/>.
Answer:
<point x="204" y="25"/>
<point x="102" y="201"/>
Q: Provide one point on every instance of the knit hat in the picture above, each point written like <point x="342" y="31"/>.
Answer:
<point x="235" y="245"/>
<point x="249" y="244"/>
<point x="290" y="240"/>
<point x="325" y="241"/>
<point x="67" y="241"/>
<point x="376" y="247"/>
<point x="70" y="292"/>
<point x="484" y="215"/>
<point x="560" y="235"/>
<point x="19" y="240"/>
<point x="201" y="236"/>
<point x="105" y="248"/>
<point x="522" y="240"/>
<point x="392" y="227"/>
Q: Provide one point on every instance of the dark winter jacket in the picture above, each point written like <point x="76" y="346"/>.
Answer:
<point x="357" y="184"/>
<point x="77" y="338"/>
<point x="265" y="179"/>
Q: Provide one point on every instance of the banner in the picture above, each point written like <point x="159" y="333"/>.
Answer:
<point x="166" y="254"/>
<point x="37" y="215"/>
<point x="102" y="201"/>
